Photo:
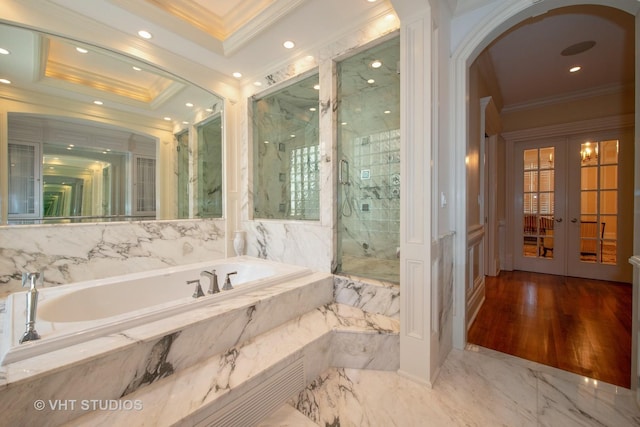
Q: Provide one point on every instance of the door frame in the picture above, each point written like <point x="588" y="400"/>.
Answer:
<point x="621" y="124"/>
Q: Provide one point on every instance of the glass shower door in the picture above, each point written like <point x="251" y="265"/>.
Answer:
<point x="369" y="167"/>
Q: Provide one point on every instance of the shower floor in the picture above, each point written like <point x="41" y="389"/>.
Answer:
<point x="375" y="268"/>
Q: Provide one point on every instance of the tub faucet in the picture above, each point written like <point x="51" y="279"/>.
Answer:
<point x="213" y="281"/>
<point x="29" y="279"/>
<point x="227" y="282"/>
<point x="197" y="293"/>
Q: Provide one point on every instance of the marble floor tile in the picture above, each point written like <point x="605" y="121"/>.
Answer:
<point x="475" y="387"/>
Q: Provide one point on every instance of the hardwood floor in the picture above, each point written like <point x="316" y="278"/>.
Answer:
<point x="577" y="325"/>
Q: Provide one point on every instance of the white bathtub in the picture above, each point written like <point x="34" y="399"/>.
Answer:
<point x="75" y="313"/>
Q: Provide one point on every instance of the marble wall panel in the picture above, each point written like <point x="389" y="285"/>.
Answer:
<point x="372" y="296"/>
<point x="299" y="243"/>
<point x="77" y="252"/>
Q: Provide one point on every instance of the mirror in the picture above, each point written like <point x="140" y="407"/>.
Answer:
<point x="94" y="135"/>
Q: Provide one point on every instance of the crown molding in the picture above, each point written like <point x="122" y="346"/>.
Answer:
<point x="568" y="97"/>
<point x="261" y="22"/>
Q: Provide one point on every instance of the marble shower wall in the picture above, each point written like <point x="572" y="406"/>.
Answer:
<point x="309" y="243"/>
<point x="370" y="204"/>
<point x="75" y="252"/>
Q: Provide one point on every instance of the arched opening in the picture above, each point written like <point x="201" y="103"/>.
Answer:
<point x="464" y="59"/>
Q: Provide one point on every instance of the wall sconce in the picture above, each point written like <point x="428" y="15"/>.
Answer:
<point x="588" y="152"/>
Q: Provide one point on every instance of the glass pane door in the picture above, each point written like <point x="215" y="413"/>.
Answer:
<point x="599" y="202"/>
<point x="538" y="207"/>
<point x="540" y="188"/>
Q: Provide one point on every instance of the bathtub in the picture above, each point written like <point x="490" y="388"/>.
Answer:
<point x="75" y="313"/>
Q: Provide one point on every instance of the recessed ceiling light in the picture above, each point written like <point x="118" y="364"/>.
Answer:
<point x="137" y="68"/>
<point x="189" y="104"/>
<point x="168" y="119"/>
<point x="289" y="44"/>
<point x="371" y="1"/>
<point x="209" y="110"/>
<point x="185" y="122"/>
<point x="575" y="69"/>
<point x="292" y="135"/>
<point x="371" y="81"/>
<point x="145" y="34"/>
<point x="312" y="109"/>
<point x="387" y="111"/>
<point x="266" y="142"/>
<point x="376" y="64"/>
<point x="5" y="81"/>
<point x="71" y="145"/>
<point x="343" y="123"/>
<point x="237" y="75"/>
<point x="97" y="102"/>
<point x="81" y="50"/>
<point x="257" y="83"/>
<point x="4" y="51"/>
<point x="316" y="87"/>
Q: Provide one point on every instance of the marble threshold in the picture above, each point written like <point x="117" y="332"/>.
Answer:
<point x="222" y="390"/>
<point x="476" y="387"/>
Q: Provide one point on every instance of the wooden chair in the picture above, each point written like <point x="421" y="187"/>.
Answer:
<point x="589" y="237"/>
<point x="546" y="229"/>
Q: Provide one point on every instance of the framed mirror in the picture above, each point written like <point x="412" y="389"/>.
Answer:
<point x="93" y="135"/>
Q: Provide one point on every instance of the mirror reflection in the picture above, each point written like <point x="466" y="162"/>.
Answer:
<point x="97" y="136"/>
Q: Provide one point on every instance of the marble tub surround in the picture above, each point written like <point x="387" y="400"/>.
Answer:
<point x="476" y="387"/>
<point x="370" y="295"/>
<point x="145" y="354"/>
<point x="293" y="242"/>
<point x="69" y="253"/>
<point x="211" y="387"/>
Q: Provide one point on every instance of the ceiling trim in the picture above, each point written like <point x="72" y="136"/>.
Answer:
<point x="568" y="97"/>
<point x="573" y="128"/>
<point x="259" y="23"/>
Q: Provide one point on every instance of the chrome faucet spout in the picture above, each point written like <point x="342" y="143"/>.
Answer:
<point x="197" y="293"/>
<point x="213" y="281"/>
<point x="30" y="279"/>
<point x="227" y="282"/>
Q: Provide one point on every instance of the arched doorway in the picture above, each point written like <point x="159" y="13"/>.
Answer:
<point x="477" y="40"/>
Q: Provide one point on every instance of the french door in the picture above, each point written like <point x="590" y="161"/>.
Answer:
<point x="573" y="206"/>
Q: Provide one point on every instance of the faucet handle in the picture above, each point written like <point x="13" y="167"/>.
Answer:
<point x="197" y="293"/>
<point x="227" y="282"/>
<point x="29" y="279"/>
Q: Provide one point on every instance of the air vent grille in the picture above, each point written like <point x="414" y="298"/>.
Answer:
<point x="253" y="406"/>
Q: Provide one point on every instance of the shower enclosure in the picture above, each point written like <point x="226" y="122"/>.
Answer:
<point x="369" y="170"/>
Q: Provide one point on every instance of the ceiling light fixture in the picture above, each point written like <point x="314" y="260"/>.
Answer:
<point x="289" y="44"/>
<point x="168" y="119"/>
<point x="136" y="68"/>
<point x="312" y="109"/>
<point x="4" y="51"/>
<point x="237" y="75"/>
<point x="189" y="104"/>
<point x="376" y="64"/>
<point x="577" y="48"/>
<point x="371" y="81"/>
<point x="81" y="50"/>
<point x="97" y="102"/>
<point x="257" y="84"/>
<point x="316" y="87"/>
<point x="145" y="34"/>
<point x="575" y="69"/>
<point x="5" y="81"/>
